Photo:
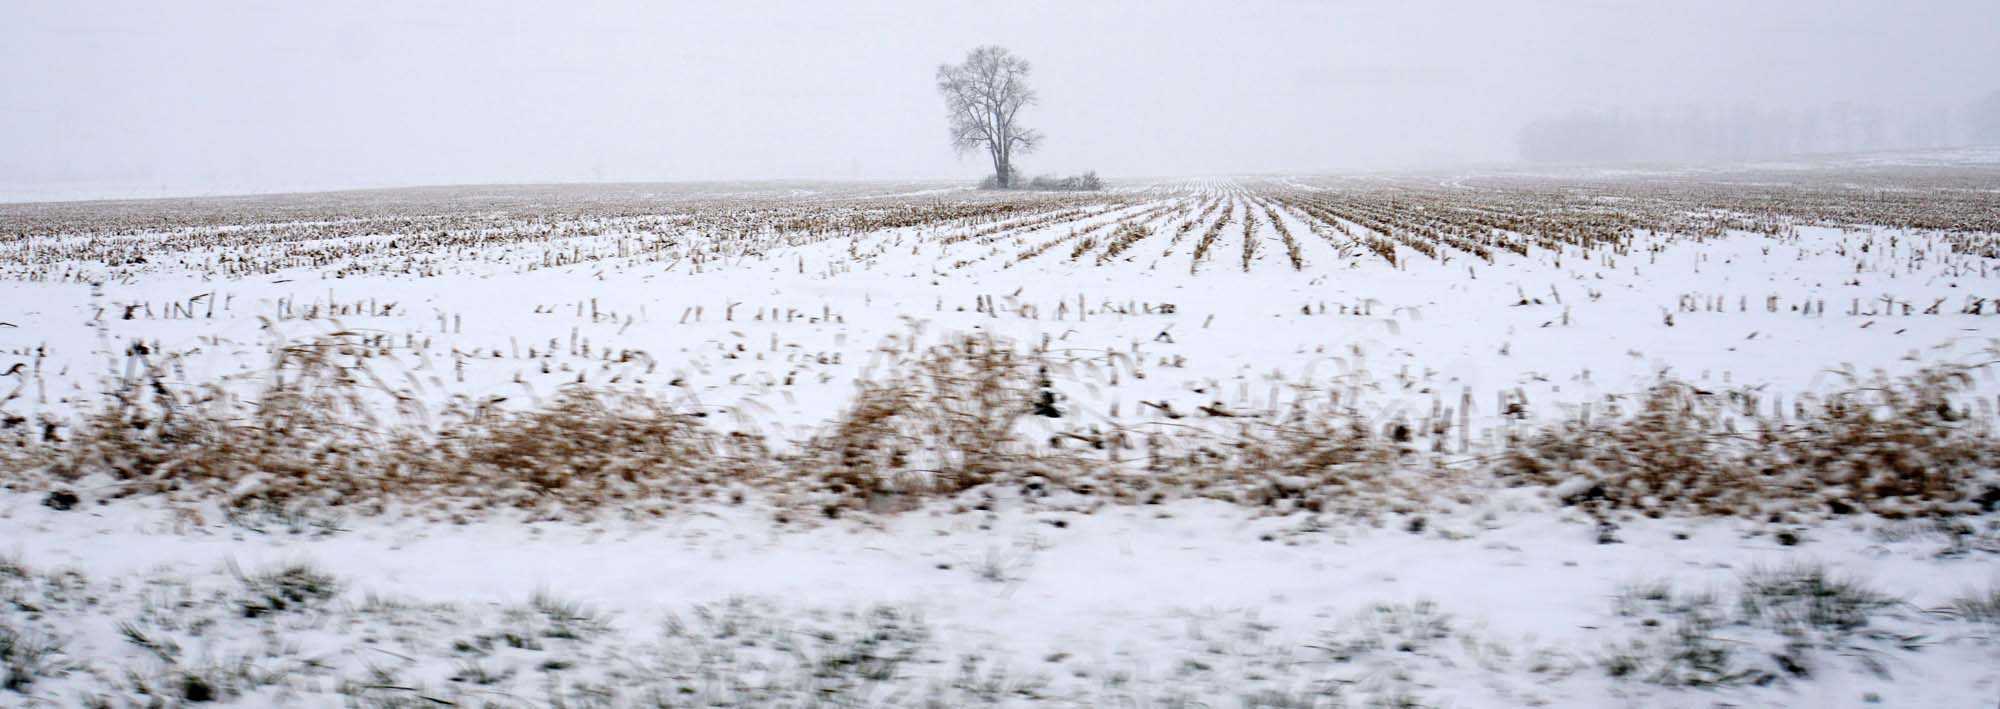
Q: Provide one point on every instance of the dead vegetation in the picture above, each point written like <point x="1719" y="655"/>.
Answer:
<point x="974" y="412"/>
<point x="1785" y="624"/>
<point x="318" y="430"/>
<point x="311" y="438"/>
<point x="1910" y="446"/>
<point x="946" y="421"/>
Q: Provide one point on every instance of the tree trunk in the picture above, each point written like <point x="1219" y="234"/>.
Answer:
<point x="1007" y="161"/>
<point x="1003" y="172"/>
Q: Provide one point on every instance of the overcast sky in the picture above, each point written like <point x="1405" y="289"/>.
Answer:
<point x="193" y="97"/>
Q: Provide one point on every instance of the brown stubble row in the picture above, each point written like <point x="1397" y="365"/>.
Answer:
<point x="436" y="233"/>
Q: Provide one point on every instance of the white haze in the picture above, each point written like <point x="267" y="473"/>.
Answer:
<point x="147" y="98"/>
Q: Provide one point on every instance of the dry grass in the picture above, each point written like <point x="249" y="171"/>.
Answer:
<point x="311" y="439"/>
<point x="1313" y="459"/>
<point x="587" y="448"/>
<point x="974" y="412"/>
<point x="308" y="432"/>
<point x="945" y="422"/>
<point x="1894" y="447"/>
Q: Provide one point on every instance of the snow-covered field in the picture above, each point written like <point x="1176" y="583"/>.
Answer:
<point x="1138" y="500"/>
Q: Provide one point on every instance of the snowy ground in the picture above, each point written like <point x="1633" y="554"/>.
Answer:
<point x="780" y="337"/>
<point x="1505" y="601"/>
<point x="1188" y="602"/>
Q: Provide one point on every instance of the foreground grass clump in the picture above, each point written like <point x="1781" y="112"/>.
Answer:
<point x="1313" y="459"/>
<point x="587" y="447"/>
<point x="946" y="421"/>
<point x="311" y="439"/>
<point x="27" y="654"/>
<point x="1783" y="624"/>
<point x="309" y="432"/>
<point x="288" y="588"/>
<point x="1977" y="607"/>
<point x="1894" y="447"/>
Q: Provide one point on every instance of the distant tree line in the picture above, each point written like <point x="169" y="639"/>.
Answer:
<point x="1703" y="134"/>
<point x="1985" y="120"/>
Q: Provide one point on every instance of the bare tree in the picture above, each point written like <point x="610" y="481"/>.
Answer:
<point x="985" y="95"/>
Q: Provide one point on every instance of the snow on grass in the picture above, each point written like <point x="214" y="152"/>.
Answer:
<point x="1193" y="601"/>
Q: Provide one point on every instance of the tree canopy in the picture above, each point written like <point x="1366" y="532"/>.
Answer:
<point x="984" y="96"/>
